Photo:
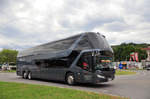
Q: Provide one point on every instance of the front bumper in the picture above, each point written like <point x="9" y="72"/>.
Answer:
<point x="148" y="68"/>
<point x="100" y="79"/>
<point x="96" y="78"/>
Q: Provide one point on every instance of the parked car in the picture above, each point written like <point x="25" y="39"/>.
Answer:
<point x="148" y="67"/>
<point x="4" y="66"/>
<point x="0" y="66"/>
<point x="12" y="66"/>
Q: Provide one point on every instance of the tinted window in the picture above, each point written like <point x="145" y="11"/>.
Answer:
<point x="83" y="44"/>
<point x="53" y="63"/>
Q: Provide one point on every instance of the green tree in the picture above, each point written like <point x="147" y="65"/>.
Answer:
<point x="8" y="55"/>
<point x="122" y="52"/>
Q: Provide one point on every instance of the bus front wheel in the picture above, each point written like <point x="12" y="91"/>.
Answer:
<point x="70" y="79"/>
<point x="25" y="74"/>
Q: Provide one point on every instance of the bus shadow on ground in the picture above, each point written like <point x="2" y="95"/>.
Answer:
<point x="87" y="85"/>
<point x="90" y="85"/>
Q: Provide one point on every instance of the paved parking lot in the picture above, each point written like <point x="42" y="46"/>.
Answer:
<point x="133" y="86"/>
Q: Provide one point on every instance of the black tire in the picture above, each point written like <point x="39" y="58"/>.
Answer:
<point x="70" y="79"/>
<point x="29" y="75"/>
<point x="25" y="75"/>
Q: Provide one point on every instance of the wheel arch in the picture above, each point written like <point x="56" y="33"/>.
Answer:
<point x="67" y="73"/>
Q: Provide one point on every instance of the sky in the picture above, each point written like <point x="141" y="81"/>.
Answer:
<point x="27" y="23"/>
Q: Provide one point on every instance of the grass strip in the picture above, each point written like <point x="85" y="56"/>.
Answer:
<point x="126" y="72"/>
<point x="11" y="90"/>
<point x="8" y="71"/>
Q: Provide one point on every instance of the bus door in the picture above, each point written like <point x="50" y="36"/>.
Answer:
<point x="86" y="61"/>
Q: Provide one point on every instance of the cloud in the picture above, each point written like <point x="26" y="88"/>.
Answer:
<point x="27" y="23"/>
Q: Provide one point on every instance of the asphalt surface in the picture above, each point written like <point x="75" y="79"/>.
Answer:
<point x="132" y="86"/>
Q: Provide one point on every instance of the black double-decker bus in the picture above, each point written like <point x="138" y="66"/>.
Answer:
<point x="83" y="58"/>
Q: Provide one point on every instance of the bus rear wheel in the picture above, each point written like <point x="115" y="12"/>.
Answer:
<point x="70" y="79"/>
<point x="25" y="74"/>
<point x="29" y="76"/>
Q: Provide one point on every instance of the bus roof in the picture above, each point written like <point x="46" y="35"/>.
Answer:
<point x="64" y="47"/>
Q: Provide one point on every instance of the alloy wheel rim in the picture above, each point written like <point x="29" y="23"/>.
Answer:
<point x="70" y="79"/>
<point x="24" y="75"/>
<point x="29" y="75"/>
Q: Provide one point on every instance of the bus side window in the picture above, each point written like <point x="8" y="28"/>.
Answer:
<point x="38" y="63"/>
<point x="20" y="63"/>
<point x="61" y="63"/>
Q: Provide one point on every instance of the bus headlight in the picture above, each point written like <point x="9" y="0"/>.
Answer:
<point x="99" y="76"/>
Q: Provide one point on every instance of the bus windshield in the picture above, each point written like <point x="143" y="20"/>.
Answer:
<point x="92" y="61"/>
<point x="103" y="62"/>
